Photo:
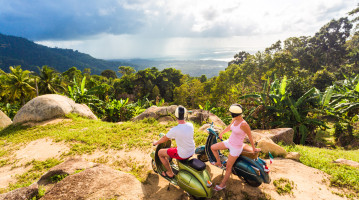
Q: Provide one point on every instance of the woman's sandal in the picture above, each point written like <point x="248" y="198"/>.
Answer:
<point x="219" y="188"/>
<point x="222" y="167"/>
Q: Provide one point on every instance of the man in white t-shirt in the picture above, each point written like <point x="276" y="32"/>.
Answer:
<point x="183" y="134"/>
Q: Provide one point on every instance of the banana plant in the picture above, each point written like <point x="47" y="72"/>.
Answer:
<point x="116" y="110"/>
<point x="80" y="94"/>
<point x="346" y="98"/>
<point x="276" y="108"/>
<point x="267" y="104"/>
<point x="303" y="112"/>
<point x="208" y="106"/>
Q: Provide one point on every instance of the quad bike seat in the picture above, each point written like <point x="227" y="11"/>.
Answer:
<point x="194" y="163"/>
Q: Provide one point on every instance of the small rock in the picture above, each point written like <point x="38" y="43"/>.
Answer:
<point x="347" y="162"/>
<point x="293" y="156"/>
<point x="267" y="145"/>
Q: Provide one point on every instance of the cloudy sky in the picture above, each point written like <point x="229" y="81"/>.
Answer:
<point x="172" y="29"/>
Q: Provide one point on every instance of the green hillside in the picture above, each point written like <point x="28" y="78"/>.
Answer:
<point x="20" y="51"/>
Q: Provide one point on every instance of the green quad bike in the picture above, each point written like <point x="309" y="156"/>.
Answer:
<point x="191" y="175"/>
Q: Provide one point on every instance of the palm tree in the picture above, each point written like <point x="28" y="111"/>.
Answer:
<point x="47" y="82"/>
<point x="17" y="85"/>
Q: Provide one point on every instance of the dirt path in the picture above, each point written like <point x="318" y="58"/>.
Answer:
<point x="309" y="183"/>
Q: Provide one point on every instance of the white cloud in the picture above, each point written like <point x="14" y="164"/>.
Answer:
<point x="185" y="27"/>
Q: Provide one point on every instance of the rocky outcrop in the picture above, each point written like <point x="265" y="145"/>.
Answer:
<point x="24" y="193"/>
<point x="284" y="135"/>
<point x="267" y="145"/>
<point x="4" y="120"/>
<point x="166" y="113"/>
<point x="99" y="182"/>
<point x="347" y="162"/>
<point x="50" y="106"/>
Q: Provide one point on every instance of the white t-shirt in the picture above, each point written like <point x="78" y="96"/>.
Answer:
<point x="183" y="134"/>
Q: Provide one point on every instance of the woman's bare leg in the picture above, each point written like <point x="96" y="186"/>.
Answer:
<point x="215" y="148"/>
<point x="247" y="148"/>
<point x="231" y="160"/>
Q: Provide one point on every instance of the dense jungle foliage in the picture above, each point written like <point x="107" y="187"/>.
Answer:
<point x="309" y="83"/>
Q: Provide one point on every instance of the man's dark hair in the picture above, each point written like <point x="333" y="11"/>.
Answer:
<point x="180" y="113"/>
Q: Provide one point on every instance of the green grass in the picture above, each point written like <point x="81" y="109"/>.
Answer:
<point x="135" y="169"/>
<point x="321" y="158"/>
<point x="58" y="177"/>
<point x="37" y="170"/>
<point x="41" y="193"/>
<point x="284" y="186"/>
<point x="86" y="135"/>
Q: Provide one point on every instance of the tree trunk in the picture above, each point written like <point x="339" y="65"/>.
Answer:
<point x="37" y="89"/>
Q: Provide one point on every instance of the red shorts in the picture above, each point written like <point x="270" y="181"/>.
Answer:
<point x="172" y="152"/>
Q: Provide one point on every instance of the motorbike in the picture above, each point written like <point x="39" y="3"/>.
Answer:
<point x="191" y="175"/>
<point x="248" y="166"/>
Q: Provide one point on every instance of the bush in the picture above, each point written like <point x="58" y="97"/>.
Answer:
<point x="343" y="134"/>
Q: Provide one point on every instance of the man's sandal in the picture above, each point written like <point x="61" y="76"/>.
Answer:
<point x="164" y="174"/>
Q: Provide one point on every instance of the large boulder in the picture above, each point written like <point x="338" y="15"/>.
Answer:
<point x="4" y="120"/>
<point x="50" y="106"/>
<point x="24" y="193"/>
<point x="99" y="182"/>
<point x="267" y="145"/>
<point x="284" y="135"/>
<point x="166" y="113"/>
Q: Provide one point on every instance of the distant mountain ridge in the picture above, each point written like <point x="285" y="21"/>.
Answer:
<point x="20" y="51"/>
